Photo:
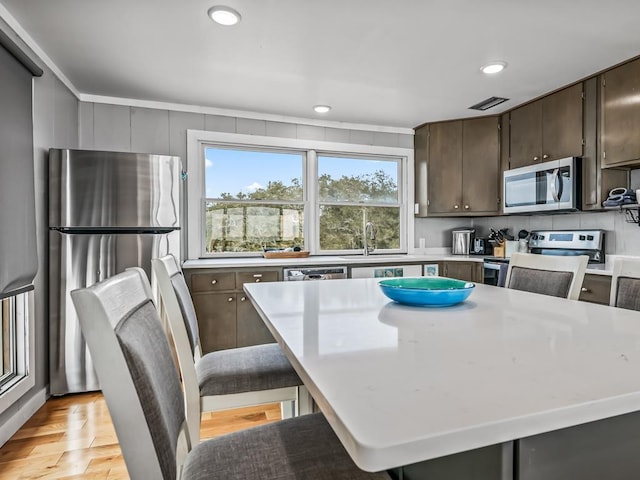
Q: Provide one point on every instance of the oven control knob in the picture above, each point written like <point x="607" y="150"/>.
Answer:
<point x="541" y="237"/>
<point x="582" y="237"/>
<point x="590" y="237"/>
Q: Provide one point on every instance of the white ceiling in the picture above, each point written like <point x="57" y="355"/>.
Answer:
<point x="371" y="63"/>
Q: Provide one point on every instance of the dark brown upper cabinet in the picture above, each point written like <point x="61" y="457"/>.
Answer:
<point x="596" y="182"/>
<point x="620" y="120"/>
<point x="548" y="128"/>
<point x="458" y="167"/>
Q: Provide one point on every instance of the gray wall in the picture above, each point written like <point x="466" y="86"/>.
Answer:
<point x="55" y="124"/>
<point x="146" y="130"/>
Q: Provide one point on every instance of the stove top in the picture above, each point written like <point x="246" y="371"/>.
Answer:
<point x="564" y="243"/>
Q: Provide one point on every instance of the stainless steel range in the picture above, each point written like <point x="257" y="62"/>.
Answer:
<point x="552" y="242"/>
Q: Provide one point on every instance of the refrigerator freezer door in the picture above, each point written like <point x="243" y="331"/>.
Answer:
<point x="112" y="189"/>
<point x="77" y="261"/>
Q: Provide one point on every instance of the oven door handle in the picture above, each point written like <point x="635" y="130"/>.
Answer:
<point x="556" y="193"/>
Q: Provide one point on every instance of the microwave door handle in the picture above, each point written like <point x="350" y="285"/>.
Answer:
<point x="554" y="191"/>
<point x="560" y="185"/>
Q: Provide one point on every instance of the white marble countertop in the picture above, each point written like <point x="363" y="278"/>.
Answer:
<point x="404" y="384"/>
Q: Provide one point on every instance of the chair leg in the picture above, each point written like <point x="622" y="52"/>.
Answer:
<point x="305" y="401"/>
<point x="288" y="409"/>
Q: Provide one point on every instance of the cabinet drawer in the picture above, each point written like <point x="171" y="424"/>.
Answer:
<point x="596" y="289"/>
<point x="255" y="277"/>
<point x="211" y="282"/>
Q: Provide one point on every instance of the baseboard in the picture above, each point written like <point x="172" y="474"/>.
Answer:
<point x="24" y="413"/>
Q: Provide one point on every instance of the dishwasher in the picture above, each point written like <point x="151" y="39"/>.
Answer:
<point x="314" y="273"/>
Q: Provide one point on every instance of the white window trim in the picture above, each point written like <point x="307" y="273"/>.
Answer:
<point x="195" y="177"/>
<point x="25" y="336"/>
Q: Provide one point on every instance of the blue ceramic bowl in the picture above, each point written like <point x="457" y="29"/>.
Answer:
<point x="427" y="291"/>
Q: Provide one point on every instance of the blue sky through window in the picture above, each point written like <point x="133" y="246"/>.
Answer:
<point x="233" y="171"/>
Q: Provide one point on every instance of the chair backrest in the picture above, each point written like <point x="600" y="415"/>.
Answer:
<point x="137" y="373"/>
<point x="183" y="324"/>
<point x="625" y="284"/>
<point x="559" y="276"/>
<point x="177" y="300"/>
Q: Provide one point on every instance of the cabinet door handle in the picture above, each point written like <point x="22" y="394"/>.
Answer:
<point x="242" y="299"/>
<point x="466" y="207"/>
<point x="535" y="159"/>
<point x="545" y="156"/>
<point x="258" y="280"/>
<point x="230" y="299"/>
<point x="456" y="207"/>
<point x="584" y="289"/>
<point x="214" y="281"/>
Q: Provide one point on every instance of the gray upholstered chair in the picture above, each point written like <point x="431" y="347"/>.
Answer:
<point x="142" y="389"/>
<point x="224" y="379"/>
<point x="553" y="275"/>
<point x="625" y="283"/>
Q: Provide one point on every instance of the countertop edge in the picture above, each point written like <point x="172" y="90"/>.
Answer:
<point x="321" y="260"/>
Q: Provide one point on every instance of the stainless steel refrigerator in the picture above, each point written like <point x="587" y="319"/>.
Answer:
<point x="107" y="211"/>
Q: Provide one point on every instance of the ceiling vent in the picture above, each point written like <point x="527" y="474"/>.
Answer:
<point x="488" y="103"/>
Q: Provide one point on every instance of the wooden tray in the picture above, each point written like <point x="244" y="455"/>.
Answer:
<point x="285" y="254"/>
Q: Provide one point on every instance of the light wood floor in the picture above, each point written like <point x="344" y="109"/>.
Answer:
<point x="72" y="437"/>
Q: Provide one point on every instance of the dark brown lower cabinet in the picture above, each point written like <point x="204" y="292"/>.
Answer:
<point x="250" y="329"/>
<point x="216" y="320"/>
<point x="596" y="289"/>
<point x="468" y="271"/>
<point x="226" y="317"/>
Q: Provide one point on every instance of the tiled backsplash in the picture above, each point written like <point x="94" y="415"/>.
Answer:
<point x="622" y="238"/>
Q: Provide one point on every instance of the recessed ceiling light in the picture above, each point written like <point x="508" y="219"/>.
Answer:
<point x="322" y="108"/>
<point x="493" y="67"/>
<point x="224" y="15"/>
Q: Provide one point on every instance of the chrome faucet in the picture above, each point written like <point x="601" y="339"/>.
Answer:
<point x="369" y="234"/>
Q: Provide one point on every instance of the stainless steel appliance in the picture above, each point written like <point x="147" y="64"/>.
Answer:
<point x="481" y="246"/>
<point x="569" y="242"/>
<point x="107" y="211"/>
<point x="552" y="242"/>
<point x="545" y="187"/>
<point x="315" y="273"/>
<point x="462" y="241"/>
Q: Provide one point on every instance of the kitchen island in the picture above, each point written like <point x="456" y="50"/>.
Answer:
<point x="539" y="387"/>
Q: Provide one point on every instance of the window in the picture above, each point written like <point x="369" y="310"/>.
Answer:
<point x="254" y="200"/>
<point x="353" y="191"/>
<point x="247" y="193"/>
<point x="15" y="336"/>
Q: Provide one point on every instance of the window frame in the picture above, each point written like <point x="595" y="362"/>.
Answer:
<point x="195" y="189"/>
<point x="319" y="203"/>
<point x="24" y="379"/>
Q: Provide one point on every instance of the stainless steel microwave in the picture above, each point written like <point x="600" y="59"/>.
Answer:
<point x="545" y="187"/>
